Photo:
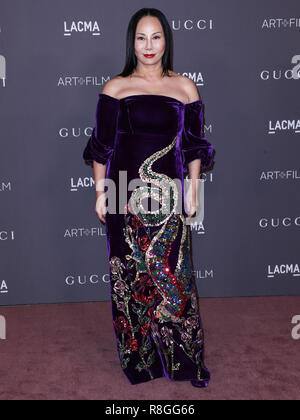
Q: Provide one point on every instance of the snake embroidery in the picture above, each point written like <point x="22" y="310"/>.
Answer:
<point x="166" y="193"/>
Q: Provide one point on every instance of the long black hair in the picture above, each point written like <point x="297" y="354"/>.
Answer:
<point x="131" y="60"/>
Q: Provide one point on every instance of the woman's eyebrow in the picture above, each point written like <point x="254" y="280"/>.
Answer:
<point x="141" y="33"/>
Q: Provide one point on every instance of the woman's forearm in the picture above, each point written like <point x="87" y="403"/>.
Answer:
<point x="194" y="174"/>
<point x="194" y="168"/>
<point x="99" y="176"/>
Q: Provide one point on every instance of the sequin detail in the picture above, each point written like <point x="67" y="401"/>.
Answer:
<point x="165" y="192"/>
<point x="156" y="317"/>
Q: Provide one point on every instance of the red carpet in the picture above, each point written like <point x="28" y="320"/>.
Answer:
<point x="68" y="351"/>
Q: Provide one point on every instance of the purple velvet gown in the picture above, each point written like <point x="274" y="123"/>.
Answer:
<point x="153" y="291"/>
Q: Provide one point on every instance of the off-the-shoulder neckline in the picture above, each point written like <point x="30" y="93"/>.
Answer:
<point x="150" y="94"/>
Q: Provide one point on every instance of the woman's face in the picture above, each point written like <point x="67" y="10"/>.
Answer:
<point x="149" y="40"/>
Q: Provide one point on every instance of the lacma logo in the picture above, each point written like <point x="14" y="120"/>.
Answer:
<point x="277" y="270"/>
<point x="81" y="26"/>
<point x="196" y="77"/>
<point x="85" y="182"/>
<point x="3" y="69"/>
<point x="3" y="287"/>
<point x="285" y="125"/>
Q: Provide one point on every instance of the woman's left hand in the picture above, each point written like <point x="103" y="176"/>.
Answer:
<point x="192" y="198"/>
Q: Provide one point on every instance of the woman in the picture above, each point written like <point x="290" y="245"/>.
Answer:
<point x="149" y="123"/>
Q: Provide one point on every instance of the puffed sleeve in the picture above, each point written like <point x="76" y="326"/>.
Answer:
<point x="193" y="143"/>
<point x="100" y="145"/>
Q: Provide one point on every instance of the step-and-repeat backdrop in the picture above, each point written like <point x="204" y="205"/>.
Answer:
<point x="55" y="57"/>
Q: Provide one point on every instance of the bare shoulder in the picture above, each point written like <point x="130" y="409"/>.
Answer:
<point x="112" y="86"/>
<point x="190" y="88"/>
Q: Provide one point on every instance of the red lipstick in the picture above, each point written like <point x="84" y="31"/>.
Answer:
<point x="149" y="55"/>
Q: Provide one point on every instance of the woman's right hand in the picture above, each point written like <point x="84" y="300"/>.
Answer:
<point x="100" y="206"/>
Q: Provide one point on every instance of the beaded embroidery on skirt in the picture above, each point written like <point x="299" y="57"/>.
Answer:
<point x="155" y="311"/>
